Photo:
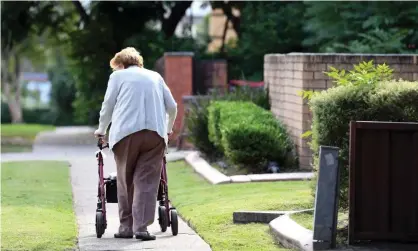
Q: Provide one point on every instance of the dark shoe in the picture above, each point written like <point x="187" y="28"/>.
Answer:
<point x="123" y="236"/>
<point x="145" y="236"/>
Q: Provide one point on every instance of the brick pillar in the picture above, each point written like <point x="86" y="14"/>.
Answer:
<point x="178" y="74"/>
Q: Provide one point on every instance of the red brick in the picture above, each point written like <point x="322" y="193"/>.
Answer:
<point x="178" y="75"/>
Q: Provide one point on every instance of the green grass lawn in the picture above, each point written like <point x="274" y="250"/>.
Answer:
<point x="209" y="208"/>
<point x="26" y="131"/>
<point x="305" y="219"/>
<point x="37" y="210"/>
<point x="19" y="137"/>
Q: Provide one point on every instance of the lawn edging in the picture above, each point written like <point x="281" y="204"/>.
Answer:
<point x="211" y="174"/>
<point x="246" y="217"/>
<point x="290" y="234"/>
<point x="205" y="170"/>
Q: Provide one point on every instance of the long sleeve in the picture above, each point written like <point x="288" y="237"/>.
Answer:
<point x="108" y="105"/>
<point x="170" y="107"/>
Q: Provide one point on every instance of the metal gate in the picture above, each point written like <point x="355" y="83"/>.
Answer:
<point x="383" y="182"/>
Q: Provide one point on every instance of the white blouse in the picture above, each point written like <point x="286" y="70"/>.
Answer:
<point x="136" y="99"/>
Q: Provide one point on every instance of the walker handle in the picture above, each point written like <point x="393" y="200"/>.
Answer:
<point x="100" y="143"/>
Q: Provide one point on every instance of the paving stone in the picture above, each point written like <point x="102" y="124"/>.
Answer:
<point x="84" y="176"/>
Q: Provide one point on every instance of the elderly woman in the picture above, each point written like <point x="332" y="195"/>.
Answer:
<point x="137" y="102"/>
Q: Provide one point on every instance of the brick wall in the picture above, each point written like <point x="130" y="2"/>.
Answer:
<point x="210" y="74"/>
<point x="184" y="76"/>
<point x="286" y="74"/>
<point x="178" y="74"/>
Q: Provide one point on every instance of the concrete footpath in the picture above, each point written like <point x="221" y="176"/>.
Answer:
<point x="84" y="179"/>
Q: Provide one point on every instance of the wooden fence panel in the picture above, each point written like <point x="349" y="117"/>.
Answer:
<point x="383" y="181"/>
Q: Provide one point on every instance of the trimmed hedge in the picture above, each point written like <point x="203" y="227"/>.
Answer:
<point x="248" y="135"/>
<point x="197" y="120"/>
<point x="333" y="109"/>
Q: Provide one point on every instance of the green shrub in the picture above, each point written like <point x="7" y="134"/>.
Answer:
<point x="197" y="120"/>
<point x="197" y="123"/>
<point x="42" y="116"/>
<point x="258" y="96"/>
<point x="63" y="93"/>
<point x="213" y="124"/>
<point x="248" y="135"/>
<point x="224" y="113"/>
<point x="376" y="99"/>
<point x="5" y="113"/>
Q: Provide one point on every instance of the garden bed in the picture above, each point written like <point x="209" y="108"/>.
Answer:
<point x="228" y="170"/>
<point x="209" y="209"/>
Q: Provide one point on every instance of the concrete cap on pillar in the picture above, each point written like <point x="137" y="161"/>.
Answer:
<point x="179" y="53"/>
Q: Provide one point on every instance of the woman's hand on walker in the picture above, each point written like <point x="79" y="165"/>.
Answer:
<point x="100" y="136"/>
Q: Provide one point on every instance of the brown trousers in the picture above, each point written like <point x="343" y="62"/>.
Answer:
<point x="139" y="161"/>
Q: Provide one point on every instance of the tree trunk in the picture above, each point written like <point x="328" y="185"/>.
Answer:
<point x="236" y="21"/>
<point x="226" y="26"/>
<point x="11" y="86"/>
<point x="169" y="25"/>
<point x="15" y="111"/>
<point x="15" y="107"/>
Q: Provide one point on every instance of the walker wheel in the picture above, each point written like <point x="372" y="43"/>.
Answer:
<point x="100" y="224"/>
<point x="162" y="218"/>
<point x="174" y="222"/>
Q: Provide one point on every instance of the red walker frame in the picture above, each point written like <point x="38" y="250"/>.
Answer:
<point x="167" y="216"/>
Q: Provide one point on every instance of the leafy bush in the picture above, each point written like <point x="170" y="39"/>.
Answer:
<point x="197" y="123"/>
<point x="248" y="135"/>
<point x="258" y="96"/>
<point x="62" y="94"/>
<point x="5" y="113"/>
<point x="365" y="94"/>
<point x="222" y="113"/>
<point x="30" y="116"/>
<point x="197" y="120"/>
<point x="38" y="116"/>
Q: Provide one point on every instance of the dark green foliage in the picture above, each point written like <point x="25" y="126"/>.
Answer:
<point x="361" y="27"/>
<point x="30" y="116"/>
<point x="39" y="116"/>
<point x="248" y="135"/>
<point x="19" y="19"/>
<point x="258" y="96"/>
<point x="91" y="68"/>
<point x="266" y="27"/>
<point x="335" y="108"/>
<point x="63" y="93"/>
<point x="197" y="121"/>
<point x="328" y="26"/>
<point x="5" y="113"/>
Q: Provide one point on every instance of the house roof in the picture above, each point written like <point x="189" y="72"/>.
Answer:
<point x="34" y="76"/>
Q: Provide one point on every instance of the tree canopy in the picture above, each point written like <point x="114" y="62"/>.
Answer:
<point x="86" y="37"/>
